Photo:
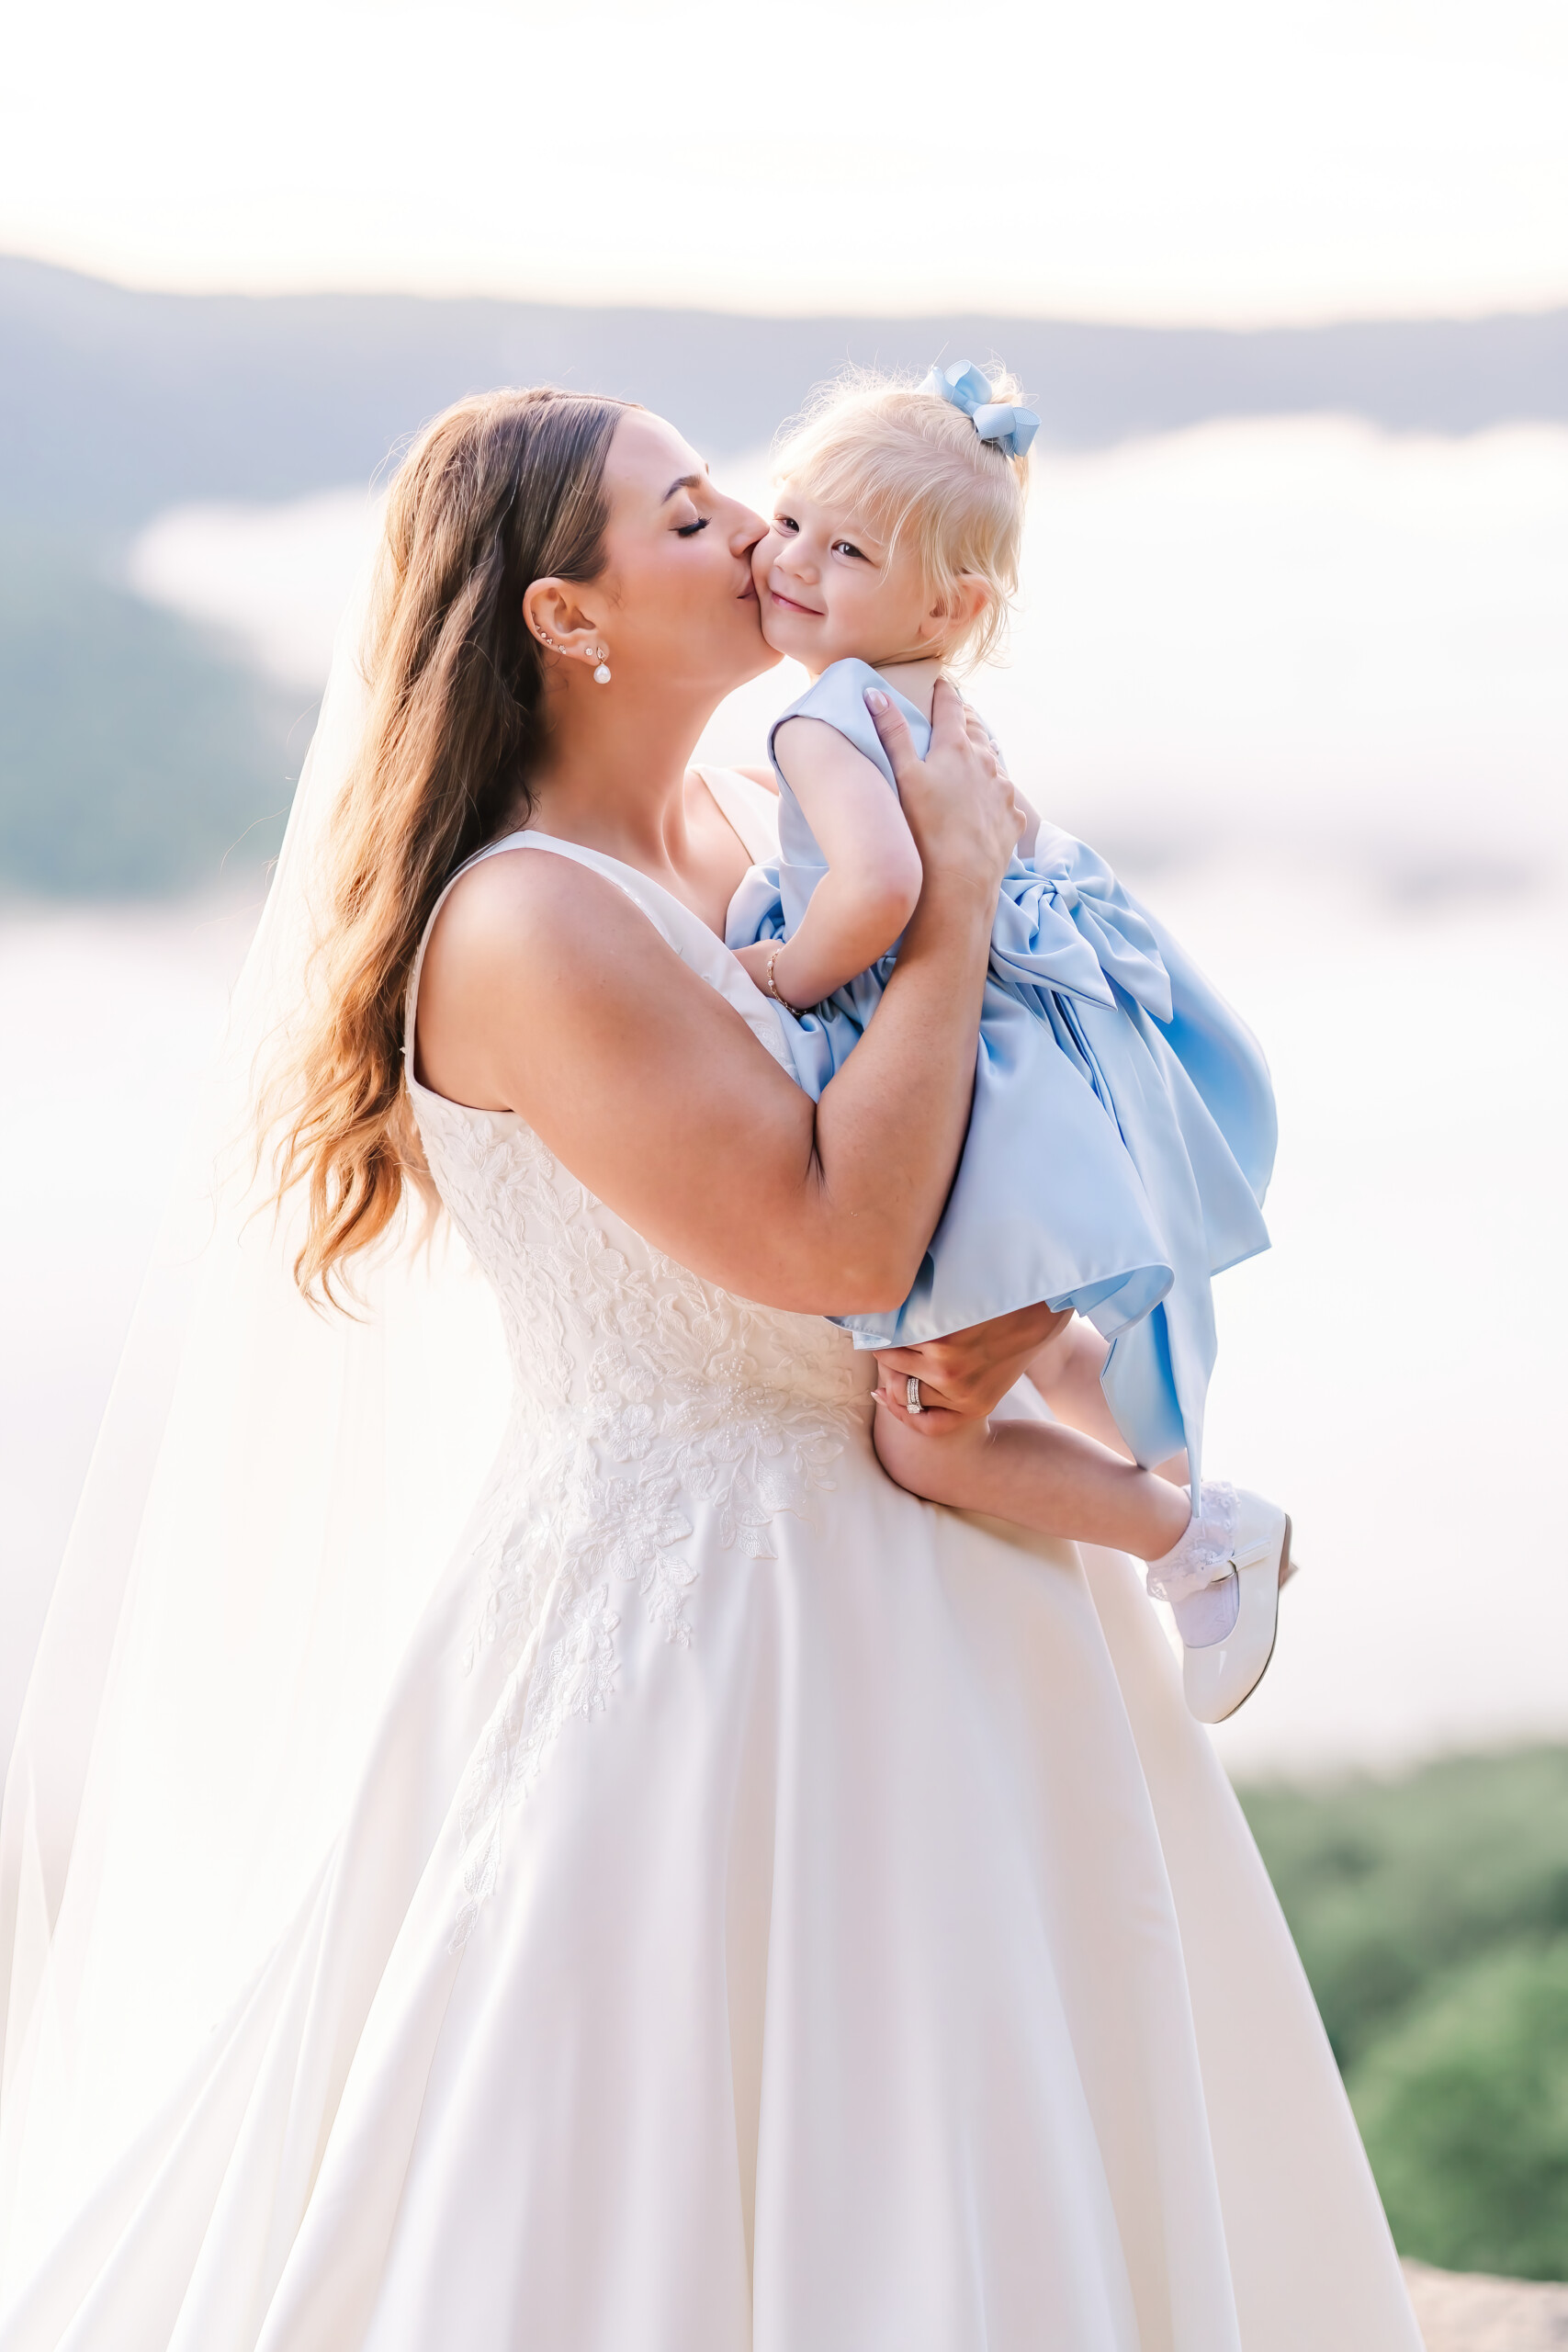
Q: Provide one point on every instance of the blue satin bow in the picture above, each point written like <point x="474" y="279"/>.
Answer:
<point x="1065" y="922"/>
<point x="962" y="386"/>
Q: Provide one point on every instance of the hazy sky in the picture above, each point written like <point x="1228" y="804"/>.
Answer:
<point x="1228" y="160"/>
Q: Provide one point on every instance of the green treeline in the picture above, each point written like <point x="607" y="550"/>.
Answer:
<point x="1431" y="1914"/>
<point x="137" y="756"/>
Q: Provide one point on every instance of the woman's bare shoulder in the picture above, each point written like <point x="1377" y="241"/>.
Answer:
<point x="530" y="947"/>
<point x="530" y="925"/>
<point x="526" y="900"/>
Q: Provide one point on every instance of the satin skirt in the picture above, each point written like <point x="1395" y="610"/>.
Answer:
<point x="886" y="1968"/>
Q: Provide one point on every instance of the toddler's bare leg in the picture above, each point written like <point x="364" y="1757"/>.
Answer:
<point x="1053" y="1480"/>
<point x="1066" y="1373"/>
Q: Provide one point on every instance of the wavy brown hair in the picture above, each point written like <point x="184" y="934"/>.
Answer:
<point x="504" y="489"/>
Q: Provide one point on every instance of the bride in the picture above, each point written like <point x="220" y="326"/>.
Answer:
<point x="734" y="1904"/>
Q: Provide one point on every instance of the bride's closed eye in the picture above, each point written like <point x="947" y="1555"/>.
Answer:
<point x="689" y="530"/>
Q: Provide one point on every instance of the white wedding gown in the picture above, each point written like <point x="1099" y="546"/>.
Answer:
<point x="776" y="1915"/>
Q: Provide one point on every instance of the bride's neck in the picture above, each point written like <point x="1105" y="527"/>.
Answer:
<point x="612" y="774"/>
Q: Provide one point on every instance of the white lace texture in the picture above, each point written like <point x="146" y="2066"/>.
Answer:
<point x="641" y="1392"/>
<point x="1206" y="1552"/>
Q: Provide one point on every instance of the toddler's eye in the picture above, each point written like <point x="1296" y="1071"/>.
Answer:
<point x="689" y="530"/>
<point x="848" y="546"/>
<point x="786" y="522"/>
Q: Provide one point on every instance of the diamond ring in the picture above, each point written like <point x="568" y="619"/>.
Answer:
<point x="912" y="1395"/>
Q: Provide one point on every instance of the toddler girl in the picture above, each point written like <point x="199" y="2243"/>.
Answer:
<point x="1122" y="1130"/>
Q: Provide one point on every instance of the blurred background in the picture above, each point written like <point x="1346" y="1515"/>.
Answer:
<point x="1289" y="290"/>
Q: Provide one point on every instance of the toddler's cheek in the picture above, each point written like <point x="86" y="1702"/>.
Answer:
<point x="773" y="621"/>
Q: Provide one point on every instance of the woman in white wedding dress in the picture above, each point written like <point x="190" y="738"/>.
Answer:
<point x="734" y="1906"/>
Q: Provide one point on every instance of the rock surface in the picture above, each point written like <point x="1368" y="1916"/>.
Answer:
<point x="1479" y="2314"/>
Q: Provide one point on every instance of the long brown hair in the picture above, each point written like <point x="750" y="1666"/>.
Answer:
<point x="504" y="489"/>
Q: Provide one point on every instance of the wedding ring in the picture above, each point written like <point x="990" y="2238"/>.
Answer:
<point x="912" y="1395"/>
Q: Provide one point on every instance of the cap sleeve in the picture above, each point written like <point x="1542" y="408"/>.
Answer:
<point x="838" y="698"/>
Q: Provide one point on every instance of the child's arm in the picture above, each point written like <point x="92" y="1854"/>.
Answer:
<point x="868" y="893"/>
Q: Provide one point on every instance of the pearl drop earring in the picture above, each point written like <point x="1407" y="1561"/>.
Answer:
<point x="602" y="674"/>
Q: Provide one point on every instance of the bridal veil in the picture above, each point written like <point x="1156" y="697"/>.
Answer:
<point x="273" y="1492"/>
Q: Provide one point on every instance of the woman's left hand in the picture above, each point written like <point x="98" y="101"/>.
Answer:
<point x="970" y="1371"/>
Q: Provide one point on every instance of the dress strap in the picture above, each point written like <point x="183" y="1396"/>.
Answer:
<point x="410" y="1002"/>
<point x="676" y="924"/>
<point x="751" y="809"/>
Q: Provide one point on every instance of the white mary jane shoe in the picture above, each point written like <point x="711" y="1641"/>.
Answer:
<point x="1218" y="1676"/>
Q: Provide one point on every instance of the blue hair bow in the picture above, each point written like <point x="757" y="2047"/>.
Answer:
<point x="962" y="386"/>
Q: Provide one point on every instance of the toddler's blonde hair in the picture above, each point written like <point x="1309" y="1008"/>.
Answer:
<point x="915" y="467"/>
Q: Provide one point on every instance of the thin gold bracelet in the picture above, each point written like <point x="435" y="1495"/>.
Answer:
<point x="774" y="989"/>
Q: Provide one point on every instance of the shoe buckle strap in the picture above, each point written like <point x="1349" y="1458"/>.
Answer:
<point x="1248" y="1556"/>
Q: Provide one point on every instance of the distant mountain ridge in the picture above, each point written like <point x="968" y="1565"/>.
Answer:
<point x="115" y="403"/>
<point x="138" y="752"/>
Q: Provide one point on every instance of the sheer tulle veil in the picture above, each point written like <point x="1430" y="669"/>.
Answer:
<point x="274" y="1493"/>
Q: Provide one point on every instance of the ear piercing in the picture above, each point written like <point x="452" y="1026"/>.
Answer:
<point x="599" y="653"/>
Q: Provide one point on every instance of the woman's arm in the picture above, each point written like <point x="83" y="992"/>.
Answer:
<point x="873" y="880"/>
<point x="655" y="1093"/>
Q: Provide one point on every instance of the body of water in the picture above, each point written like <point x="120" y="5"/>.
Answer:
<point x="1305" y="684"/>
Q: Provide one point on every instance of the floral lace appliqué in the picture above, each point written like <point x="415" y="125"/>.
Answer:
<point x="641" y="1393"/>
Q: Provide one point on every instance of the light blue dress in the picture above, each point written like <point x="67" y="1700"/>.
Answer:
<point x="1122" y="1133"/>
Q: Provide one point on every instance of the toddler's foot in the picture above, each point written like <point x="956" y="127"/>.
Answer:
<point x="1223" y="1582"/>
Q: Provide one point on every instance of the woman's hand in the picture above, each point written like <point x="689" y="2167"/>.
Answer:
<point x="958" y="800"/>
<point x="965" y="1375"/>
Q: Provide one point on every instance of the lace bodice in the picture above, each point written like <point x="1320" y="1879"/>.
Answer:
<point x="589" y="1310"/>
<point x="596" y="1322"/>
<point x="645" y="1399"/>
